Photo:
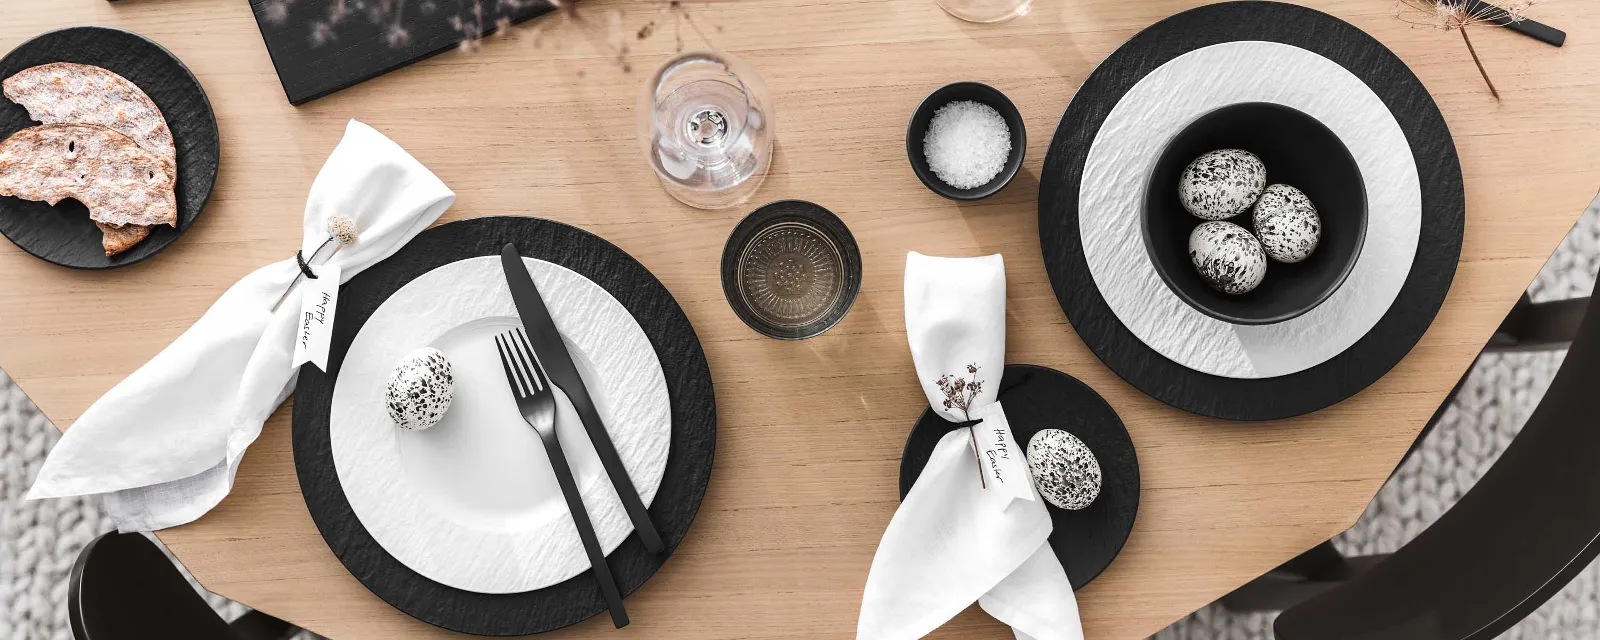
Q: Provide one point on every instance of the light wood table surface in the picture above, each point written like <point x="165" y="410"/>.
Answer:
<point x="540" y="123"/>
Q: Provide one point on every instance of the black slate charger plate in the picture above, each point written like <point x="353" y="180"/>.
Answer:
<point x="1035" y="398"/>
<point x="64" y="234"/>
<point x="683" y="484"/>
<point x="1438" y="247"/>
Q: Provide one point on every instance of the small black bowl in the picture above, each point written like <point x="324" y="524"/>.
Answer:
<point x="917" y="129"/>
<point x="1298" y="151"/>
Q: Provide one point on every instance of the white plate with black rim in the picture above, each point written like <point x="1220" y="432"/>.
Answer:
<point x="1236" y="52"/>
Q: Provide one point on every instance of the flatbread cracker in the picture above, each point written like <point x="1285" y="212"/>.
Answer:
<point x="121" y="182"/>
<point x="116" y="240"/>
<point x="70" y="93"/>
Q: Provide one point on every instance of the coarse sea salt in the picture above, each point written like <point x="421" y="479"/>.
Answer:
<point x="967" y="144"/>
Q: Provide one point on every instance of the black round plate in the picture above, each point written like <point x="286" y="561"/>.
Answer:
<point x="1037" y="398"/>
<point x="1443" y="213"/>
<point x="64" y="234"/>
<point x="1298" y="151"/>
<point x="694" y="427"/>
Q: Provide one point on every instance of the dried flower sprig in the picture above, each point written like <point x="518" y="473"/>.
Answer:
<point x="1460" y="15"/>
<point x="342" y="231"/>
<point x="959" y="394"/>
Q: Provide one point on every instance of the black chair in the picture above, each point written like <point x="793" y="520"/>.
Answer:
<point x="1513" y="541"/>
<point x="124" y="588"/>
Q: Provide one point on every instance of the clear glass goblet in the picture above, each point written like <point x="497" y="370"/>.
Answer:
<point x="986" y="10"/>
<point x="705" y="124"/>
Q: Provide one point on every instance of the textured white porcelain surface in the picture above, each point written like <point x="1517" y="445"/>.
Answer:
<point x="472" y="503"/>
<point x="1118" y="167"/>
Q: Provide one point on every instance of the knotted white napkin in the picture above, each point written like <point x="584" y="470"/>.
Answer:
<point x="953" y="540"/>
<point x="163" y="445"/>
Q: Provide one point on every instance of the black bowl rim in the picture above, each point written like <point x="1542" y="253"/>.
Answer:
<point x="1019" y="152"/>
<point x="1334" y="285"/>
<point x="778" y="211"/>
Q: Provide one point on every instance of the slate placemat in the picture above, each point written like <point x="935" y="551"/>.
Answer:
<point x="1344" y="375"/>
<point x="683" y="484"/>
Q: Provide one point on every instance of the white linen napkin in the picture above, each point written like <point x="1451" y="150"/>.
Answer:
<point x="953" y="541"/>
<point x="163" y="445"/>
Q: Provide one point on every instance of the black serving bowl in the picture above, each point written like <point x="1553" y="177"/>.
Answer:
<point x="978" y="92"/>
<point x="1298" y="151"/>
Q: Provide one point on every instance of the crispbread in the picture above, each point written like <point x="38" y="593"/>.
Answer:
<point x="70" y="93"/>
<point x="116" y="240"/>
<point x="121" y="182"/>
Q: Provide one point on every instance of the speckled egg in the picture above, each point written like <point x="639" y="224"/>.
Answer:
<point x="1287" y="223"/>
<point x="1227" y="256"/>
<point x="1064" y="469"/>
<point x="1222" y="184"/>
<point x="420" y="389"/>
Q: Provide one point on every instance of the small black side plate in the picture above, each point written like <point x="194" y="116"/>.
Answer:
<point x="64" y="234"/>
<point x="1037" y="398"/>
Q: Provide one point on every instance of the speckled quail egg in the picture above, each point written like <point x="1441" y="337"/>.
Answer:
<point x="1222" y="184"/>
<point x="1287" y="223"/>
<point x="420" y="388"/>
<point x="1064" y="469"/>
<point x="1227" y="257"/>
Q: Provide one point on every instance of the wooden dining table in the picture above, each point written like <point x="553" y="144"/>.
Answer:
<point x="540" y="122"/>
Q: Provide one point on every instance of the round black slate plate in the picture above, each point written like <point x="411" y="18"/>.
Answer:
<point x="1037" y="398"/>
<point x="694" y="427"/>
<point x="63" y="234"/>
<point x="1443" y="212"/>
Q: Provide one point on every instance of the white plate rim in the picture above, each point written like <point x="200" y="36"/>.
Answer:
<point x="1116" y="171"/>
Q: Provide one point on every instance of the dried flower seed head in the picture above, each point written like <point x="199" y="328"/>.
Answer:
<point x="343" y="229"/>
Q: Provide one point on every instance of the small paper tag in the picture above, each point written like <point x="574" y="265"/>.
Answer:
<point x="1004" y="461"/>
<point x="314" y="328"/>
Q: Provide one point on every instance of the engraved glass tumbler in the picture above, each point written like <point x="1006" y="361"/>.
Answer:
<point x="791" y="270"/>
<point x="705" y="124"/>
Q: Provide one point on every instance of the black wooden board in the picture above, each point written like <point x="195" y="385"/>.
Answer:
<point x="63" y="233"/>
<point x="318" y="50"/>
<point x="683" y="485"/>
<point x="1443" y="212"/>
<point x="1035" y="398"/>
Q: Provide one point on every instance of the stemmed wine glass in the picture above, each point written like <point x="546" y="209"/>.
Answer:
<point x="985" y="10"/>
<point x="705" y="124"/>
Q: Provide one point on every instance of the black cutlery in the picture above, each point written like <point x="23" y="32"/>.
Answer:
<point x="1533" y="29"/>
<point x="531" y="388"/>
<point x="558" y="364"/>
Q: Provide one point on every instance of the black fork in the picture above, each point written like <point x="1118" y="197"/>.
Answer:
<point x="531" y="387"/>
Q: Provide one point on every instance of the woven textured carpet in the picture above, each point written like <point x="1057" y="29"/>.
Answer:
<point x="39" y="540"/>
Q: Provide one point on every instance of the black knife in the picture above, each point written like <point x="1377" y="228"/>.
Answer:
<point x="1497" y="16"/>
<point x="558" y="364"/>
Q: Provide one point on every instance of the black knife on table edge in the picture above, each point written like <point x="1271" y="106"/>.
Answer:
<point x="1536" y="30"/>
<point x="558" y="364"/>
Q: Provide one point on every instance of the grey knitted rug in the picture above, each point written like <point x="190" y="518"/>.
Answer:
<point x="39" y="540"/>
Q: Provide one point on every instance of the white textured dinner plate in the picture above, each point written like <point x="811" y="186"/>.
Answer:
<point x="472" y="503"/>
<point x="1116" y="174"/>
